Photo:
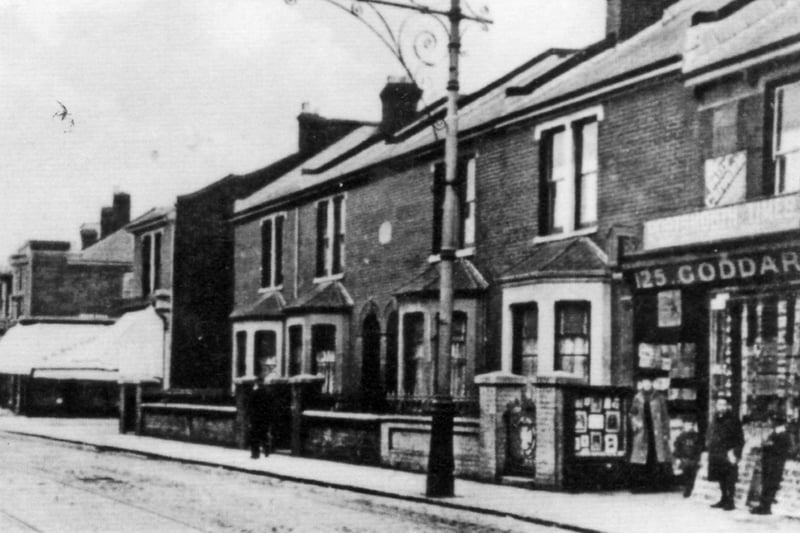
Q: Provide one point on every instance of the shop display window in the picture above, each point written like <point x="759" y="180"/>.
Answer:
<point x="598" y="425"/>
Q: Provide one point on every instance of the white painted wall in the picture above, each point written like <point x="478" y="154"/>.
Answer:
<point x="546" y="294"/>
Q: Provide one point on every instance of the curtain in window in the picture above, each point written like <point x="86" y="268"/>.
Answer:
<point x="572" y="338"/>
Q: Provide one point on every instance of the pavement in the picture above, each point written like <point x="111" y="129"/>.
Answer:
<point x="611" y="512"/>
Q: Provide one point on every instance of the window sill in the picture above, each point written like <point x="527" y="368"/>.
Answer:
<point x="464" y="252"/>
<point x="333" y="277"/>
<point x="266" y="290"/>
<point x="561" y="236"/>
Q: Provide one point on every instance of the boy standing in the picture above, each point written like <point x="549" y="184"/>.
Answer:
<point x="688" y="447"/>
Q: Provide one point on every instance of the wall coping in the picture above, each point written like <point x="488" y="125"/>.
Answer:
<point x="306" y="378"/>
<point x="500" y="378"/>
<point x="190" y="407"/>
<point x="558" y="378"/>
<point x="371" y="417"/>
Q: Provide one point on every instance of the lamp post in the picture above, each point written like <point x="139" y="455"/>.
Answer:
<point x="439" y="482"/>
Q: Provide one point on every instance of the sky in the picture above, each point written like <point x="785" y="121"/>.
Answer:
<point x="165" y="97"/>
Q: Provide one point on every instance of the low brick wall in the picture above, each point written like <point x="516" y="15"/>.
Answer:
<point x="207" y="424"/>
<point x="405" y="442"/>
<point x="347" y="437"/>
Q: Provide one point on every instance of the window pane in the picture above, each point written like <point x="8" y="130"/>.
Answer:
<point x="588" y="199"/>
<point x="338" y="235"/>
<point x="322" y="238"/>
<point x="266" y="253"/>
<point x="413" y="351"/>
<point x="788" y="118"/>
<point x="146" y="251"/>
<point x="572" y="338"/>
<point x="157" y="262"/>
<point x="295" y="350"/>
<point x="438" y="203"/>
<point x="278" y="251"/>
<point x="588" y="134"/>
<point x="323" y="353"/>
<point x="525" y="339"/>
<point x="241" y="353"/>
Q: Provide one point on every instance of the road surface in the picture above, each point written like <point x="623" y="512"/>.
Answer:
<point x="50" y="486"/>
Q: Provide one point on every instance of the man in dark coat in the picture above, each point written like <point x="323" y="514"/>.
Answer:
<point x="259" y="410"/>
<point x="774" y="452"/>
<point x="724" y="443"/>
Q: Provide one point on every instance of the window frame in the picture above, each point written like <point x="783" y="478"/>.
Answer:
<point x="572" y="127"/>
<point x="774" y="183"/>
<point x="330" y="238"/>
<point x="271" y="272"/>
<point x="466" y="203"/>
<point x="585" y="306"/>
<point x="152" y="264"/>
<point x="518" y="311"/>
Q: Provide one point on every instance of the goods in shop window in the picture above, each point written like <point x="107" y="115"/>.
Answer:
<point x="611" y="444"/>
<point x="612" y="421"/>
<point x="596" y="444"/>
<point x="596" y="421"/>
<point x="580" y="421"/>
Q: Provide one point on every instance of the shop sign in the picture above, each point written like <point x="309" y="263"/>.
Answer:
<point x="750" y="267"/>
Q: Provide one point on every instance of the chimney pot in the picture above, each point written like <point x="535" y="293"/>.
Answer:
<point x="399" y="99"/>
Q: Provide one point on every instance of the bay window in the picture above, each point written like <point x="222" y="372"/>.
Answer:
<point x="572" y="342"/>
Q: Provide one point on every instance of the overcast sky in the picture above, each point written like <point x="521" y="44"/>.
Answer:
<point x="170" y="95"/>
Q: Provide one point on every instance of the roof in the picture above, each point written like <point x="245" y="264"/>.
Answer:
<point x="330" y="296"/>
<point x="564" y="258"/>
<point x="26" y="346"/>
<point x="153" y="217"/>
<point x="115" y="248"/>
<point x="367" y="149"/>
<point x="269" y="305"/>
<point x="467" y="279"/>
<point x="754" y="26"/>
<point x="130" y="350"/>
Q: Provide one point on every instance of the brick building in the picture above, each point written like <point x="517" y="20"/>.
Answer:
<point x="60" y="297"/>
<point x="572" y="165"/>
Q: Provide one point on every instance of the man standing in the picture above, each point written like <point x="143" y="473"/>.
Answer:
<point x="725" y="442"/>
<point x="774" y="452"/>
<point x="259" y="409"/>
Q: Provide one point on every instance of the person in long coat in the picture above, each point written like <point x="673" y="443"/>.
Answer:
<point x="651" y="456"/>
<point x="259" y="410"/>
<point x="774" y="452"/>
<point x="725" y="442"/>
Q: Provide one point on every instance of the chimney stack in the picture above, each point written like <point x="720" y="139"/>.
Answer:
<point x="106" y="222"/>
<point x="399" y="99"/>
<point x="88" y="235"/>
<point x="122" y="210"/>
<point x="625" y="18"/>
<point x="316" y="132"/>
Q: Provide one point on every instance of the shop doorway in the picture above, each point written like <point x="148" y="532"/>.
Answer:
<point x="755" y="353"/>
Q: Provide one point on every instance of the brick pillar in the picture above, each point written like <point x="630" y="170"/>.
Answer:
<point x="548" y="396"/>
<point x="124" y="407"/>
<point x="304" y="387"/>
<point x="496" y="390"/>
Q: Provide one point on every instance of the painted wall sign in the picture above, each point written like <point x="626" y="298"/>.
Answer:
<point x="750" y="267"/>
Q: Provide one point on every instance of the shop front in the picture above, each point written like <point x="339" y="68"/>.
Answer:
<point x="721" y="319"/>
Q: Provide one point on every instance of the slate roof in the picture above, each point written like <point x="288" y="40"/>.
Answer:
<point x="269" y="305"/>
<point x="375" y="150"/>
<point x="754" y="26"/>
<point x="467" y="279"/>
<point x="115" y="248"/>
<point x="579" y="256"/>
<point x="330" y="296"/>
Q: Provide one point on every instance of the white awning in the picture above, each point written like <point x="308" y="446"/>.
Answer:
<point x="24" y="347"/>
<point x="131" y="350"/>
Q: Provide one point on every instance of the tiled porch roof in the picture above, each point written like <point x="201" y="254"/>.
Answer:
<point x="467" y="279"/>
<point x="270" y="305"/>
<point x="579" y="256"/>
<point x="330" y="296"/>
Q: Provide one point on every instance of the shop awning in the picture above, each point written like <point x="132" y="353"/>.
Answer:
<point x="131" y="350"/>
<point x="24" y="347"/>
